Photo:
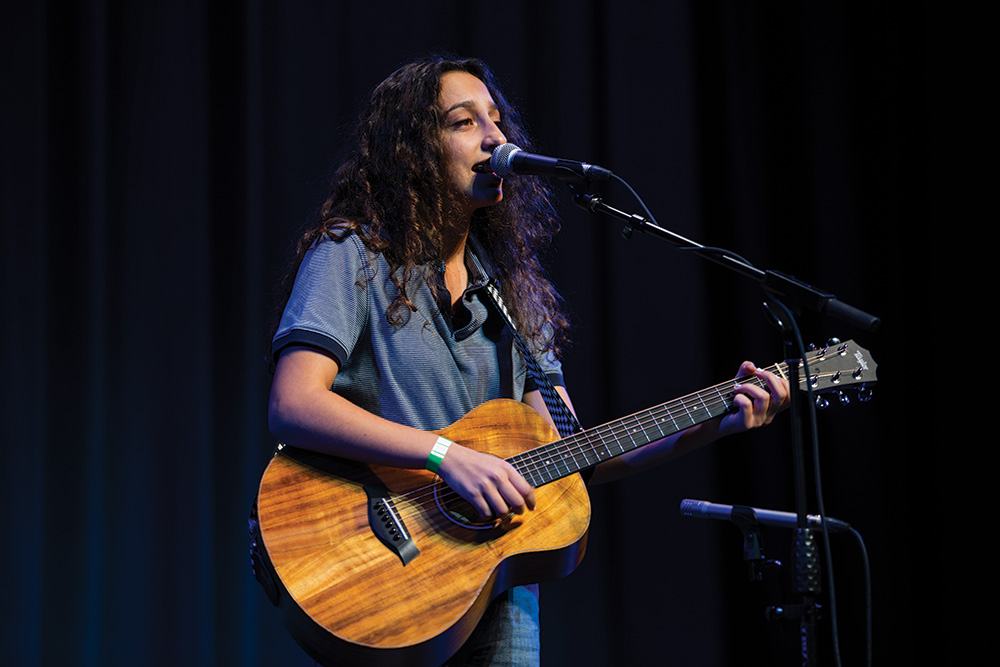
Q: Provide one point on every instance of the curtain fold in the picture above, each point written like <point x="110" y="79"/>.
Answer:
<point x="159" y="159"/>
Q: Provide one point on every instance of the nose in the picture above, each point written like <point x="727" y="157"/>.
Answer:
<point x="494" y="137"/>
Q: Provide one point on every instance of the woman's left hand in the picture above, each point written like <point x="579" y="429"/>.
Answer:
<point x="755" y="406"/>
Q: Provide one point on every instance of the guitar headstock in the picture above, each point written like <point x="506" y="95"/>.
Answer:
<point x="837" y="366"/>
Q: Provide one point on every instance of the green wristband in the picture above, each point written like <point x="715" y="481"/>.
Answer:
<point x="438" y="451"/>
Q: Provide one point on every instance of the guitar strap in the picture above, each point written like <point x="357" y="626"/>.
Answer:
<point x="566" y="423"/>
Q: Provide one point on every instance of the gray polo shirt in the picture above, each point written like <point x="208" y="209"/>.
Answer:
<point x="427" y="372"/>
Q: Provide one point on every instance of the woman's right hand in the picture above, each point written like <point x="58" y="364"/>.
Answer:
<point x="493" y="486"/>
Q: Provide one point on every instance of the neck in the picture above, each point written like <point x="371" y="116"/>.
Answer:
<point x="456" y="276"/>
<point x="453" y="242"/>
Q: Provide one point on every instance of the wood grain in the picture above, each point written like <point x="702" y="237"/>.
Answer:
<point x="348" y="599"/>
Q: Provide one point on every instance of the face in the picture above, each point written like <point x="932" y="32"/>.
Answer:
<point x="470" y="133"/>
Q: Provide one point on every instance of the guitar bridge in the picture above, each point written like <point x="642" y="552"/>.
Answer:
<point x="388" y="526"/>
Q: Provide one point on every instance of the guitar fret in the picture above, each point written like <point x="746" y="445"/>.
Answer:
<point x="725" y="401"/>
<point x="520" y="463"/>
<point x="590" y="455"/>
<point x="656" y="423"/>
<point x="549" y="468"/>
<point x="539" y="477"/>
<point x="556" y="460"/>
<point x="708" y="410"/>
<point x="603" y="454"/>
<point x="604" y="451"/>
<point x="629" y="432"/>
<point x="538" y="471"/>
<point x="688" y="414"/>
<point x="698" y="413"/>
<point x="562" y="459"/>
<point x="618" y="441"/>
<point x="673" y="421"/>
<point x="574" y="454"/>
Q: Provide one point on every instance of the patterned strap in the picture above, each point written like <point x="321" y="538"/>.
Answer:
<point x="563" y="418"/>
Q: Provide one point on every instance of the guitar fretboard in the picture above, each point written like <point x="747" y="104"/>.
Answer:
<point x="592" y="446"/>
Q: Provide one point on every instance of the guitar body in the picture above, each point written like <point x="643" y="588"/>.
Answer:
<point x="348" y="598"/>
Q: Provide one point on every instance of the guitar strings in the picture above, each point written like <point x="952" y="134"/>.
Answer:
<point x="648" y="418"/>
<point x="546" y="457"/>
<point x="542" y="458"/>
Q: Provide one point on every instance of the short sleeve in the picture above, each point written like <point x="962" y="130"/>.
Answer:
<point x="329" y="304"/>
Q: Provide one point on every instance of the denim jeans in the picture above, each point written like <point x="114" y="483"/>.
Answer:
<point x="507" y="635"/>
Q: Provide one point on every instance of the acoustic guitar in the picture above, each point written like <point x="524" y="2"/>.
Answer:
<point x="385" y="566"/>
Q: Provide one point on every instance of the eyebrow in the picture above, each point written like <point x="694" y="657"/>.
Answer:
<point x="470" y="106"/>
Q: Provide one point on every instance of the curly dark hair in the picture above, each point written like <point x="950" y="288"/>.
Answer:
<point x="390" y="192"/>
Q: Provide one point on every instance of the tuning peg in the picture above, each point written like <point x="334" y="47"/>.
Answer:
<point x="822" y="403"/>
<point x="844" y="398"/>
<point x="811" y="347"/>
<point x="832" y="342"/>
<point x="865" y="393"/>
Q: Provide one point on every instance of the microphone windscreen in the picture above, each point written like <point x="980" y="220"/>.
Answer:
<point x="500" y="160"/>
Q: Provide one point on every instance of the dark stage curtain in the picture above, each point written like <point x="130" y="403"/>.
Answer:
<point x="159" y="158"/>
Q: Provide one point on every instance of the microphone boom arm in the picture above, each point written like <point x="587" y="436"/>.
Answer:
<point x="774" y="282"/>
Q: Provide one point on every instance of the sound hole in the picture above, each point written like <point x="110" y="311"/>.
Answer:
<point x="460" y="511"/>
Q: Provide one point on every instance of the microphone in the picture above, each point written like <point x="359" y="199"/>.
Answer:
<point x="701" y="509"/>
<point x="508" y="159"/>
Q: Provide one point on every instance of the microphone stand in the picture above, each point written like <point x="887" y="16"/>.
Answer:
<point x="780" y="288"/>
<point x="778" y="284"/>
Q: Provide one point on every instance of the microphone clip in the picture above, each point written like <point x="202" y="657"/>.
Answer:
<point x="594" y="204"/>
<point x="753" y="548"/>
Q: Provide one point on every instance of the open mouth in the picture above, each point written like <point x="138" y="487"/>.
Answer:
<point x="482" y="167"/>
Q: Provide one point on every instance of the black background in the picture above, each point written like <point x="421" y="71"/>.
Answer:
<point x="159" y="159"/>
